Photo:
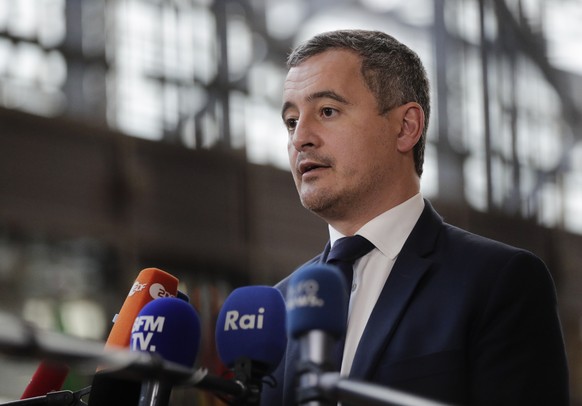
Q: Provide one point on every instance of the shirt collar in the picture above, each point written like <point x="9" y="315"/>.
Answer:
<point x="389" y="230"/>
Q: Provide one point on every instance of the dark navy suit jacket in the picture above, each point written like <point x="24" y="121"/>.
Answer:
<point x="461" y="319"/>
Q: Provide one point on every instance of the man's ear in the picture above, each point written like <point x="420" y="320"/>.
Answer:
<point x="412" y="125"/>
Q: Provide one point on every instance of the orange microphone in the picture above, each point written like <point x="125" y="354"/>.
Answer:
<point x="150" y="284"/>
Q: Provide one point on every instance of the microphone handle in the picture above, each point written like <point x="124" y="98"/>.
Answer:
<point x="342" y="389"/>
<point x="37" y="401"/>
<point x="126" y="391"/>
<point x="201" y="379"/>
<point x="155" y="393"/>
<point x="57" y="398"/>
<point x="316" y="357"/>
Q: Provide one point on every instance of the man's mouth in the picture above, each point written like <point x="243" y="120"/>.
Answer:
<point x="306" y="167"/>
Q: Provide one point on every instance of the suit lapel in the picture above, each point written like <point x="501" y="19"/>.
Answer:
<point x="409" y="269"/>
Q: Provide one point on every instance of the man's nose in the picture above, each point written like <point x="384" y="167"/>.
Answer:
<point x="305" y="134"/>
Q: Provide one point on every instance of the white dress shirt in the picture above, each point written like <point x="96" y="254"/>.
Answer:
<point x="388" y="232"/>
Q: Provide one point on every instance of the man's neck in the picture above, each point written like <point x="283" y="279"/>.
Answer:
<point x="350" y="223"/>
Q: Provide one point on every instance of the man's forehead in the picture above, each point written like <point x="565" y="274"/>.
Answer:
<point x="322" y="72"/>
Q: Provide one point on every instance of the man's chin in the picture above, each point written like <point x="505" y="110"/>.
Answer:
<point x="319" y="204"/>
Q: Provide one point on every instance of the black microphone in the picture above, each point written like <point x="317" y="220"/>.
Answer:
<point x="251" y="336"/>
<point x="169" y="327"/>
<point x="316" y="316"/>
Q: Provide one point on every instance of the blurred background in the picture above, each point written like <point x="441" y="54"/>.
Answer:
<point x="147" y="133"/>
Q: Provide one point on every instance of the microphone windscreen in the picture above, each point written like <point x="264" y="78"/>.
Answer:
<point x="48" y="377"/>
<point x="169" y="327"/>
<point x="150" y="284"/>
<point x="317" y="300"/>
<point x="251" y="324"/>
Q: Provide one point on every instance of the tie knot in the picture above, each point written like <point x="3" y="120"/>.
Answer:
<point x="348" y="249"/>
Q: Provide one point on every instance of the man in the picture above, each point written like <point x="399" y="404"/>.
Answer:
<point x="434" y="311"/>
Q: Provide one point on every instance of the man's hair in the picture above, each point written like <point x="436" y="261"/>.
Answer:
<point x="392" y="71"/>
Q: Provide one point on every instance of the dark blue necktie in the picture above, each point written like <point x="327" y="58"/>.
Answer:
<point x="345" y="252"/>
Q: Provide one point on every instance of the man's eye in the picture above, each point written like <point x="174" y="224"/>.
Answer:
<point x="291" y="123"/>
<point x="327" y="111"/>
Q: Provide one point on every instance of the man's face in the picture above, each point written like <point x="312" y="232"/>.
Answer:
<point x="342" y="153"/>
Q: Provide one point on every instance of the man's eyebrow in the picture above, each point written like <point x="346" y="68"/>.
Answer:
<point x="327" y="94"/>
<point x="286" y="106"/>
<point x="324" y="94"/>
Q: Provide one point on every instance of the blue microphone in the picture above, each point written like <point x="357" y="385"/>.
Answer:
<point x="315" y="302"/>
<point x="169" y="327"/>
<point x="251" y="336"/>
<point x="316" y="316"/>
